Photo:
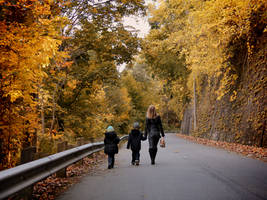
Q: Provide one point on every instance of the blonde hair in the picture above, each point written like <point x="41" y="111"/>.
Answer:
<point x="151" y="112"/>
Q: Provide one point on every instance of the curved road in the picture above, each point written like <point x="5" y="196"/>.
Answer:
<point x="183" y="171"/>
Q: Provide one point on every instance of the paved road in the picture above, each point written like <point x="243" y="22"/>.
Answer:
<point x="183" y="171"/>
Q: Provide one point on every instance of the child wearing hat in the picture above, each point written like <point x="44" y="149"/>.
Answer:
<point x="111" y="142"/>
<point x="134" y="141"/>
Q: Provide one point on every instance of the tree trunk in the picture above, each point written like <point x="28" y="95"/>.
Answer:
<point x="262" y="134"/>
<point x="42" y="112"/>
<point x="53" y="112"/>
<point x="194" y="108"/>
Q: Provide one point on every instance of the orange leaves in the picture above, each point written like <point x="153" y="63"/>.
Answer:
<point x="95" y="10"/>
<point x="51" y="187"/>
<point x="72" y="84"/>
<point x="67" y="64"/>
<point x="29" y="39"/>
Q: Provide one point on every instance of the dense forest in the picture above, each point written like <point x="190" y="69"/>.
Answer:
<point x="202" y="62"/>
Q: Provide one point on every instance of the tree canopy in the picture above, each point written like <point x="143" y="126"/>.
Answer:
<point x="59" y="79"/>
<point x="58" y="71"/>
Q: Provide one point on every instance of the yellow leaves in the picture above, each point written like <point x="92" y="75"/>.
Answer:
<point x="233" y="96"/>
<point x="56" y="135"/>
<point x="44" y="22"/>
<point x="206" y="34"/>
<point x="125" y="97"/>
<point x="28" y="45"/>
<point x="124" y="116"/>
<point x="14" y="95"/>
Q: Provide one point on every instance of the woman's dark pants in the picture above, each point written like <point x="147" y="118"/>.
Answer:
<point x="153" y="143"/>
<point x="111" y="160"/>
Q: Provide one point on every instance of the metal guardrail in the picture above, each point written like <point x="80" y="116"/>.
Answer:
<point x="15" y="179"/>
<point x="171" y="131"/>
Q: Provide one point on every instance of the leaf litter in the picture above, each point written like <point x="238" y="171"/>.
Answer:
<point x="53" y="186"/>
<point x="259" y="153"/>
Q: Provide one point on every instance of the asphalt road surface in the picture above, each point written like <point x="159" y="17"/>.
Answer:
<point x="183" y="171"/>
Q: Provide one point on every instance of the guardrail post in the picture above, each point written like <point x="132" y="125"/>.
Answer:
<point x="62" y="147"/>
<point x="27" y="155"/>
<point x="70" y="146"/>
<point x="80" y="141"/>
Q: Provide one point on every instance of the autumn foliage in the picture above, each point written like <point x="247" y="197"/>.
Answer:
<point x="59" y="79"/>
<point x="29" y="38"/>
<point x="58" y="76"/>
<point x="221" y="46"/>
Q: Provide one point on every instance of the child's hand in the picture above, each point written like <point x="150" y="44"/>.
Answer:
<point x="144" y="137"/>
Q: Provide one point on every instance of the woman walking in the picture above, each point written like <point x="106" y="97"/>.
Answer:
<point x="153" y="130"/>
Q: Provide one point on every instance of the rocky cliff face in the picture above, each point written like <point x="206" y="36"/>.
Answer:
<point x="187" y="123"/>
<point x="242" y="120"/>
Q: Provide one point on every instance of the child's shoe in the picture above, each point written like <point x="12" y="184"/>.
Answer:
<point x="133" y="162"/>
<point x="137" y="162"/>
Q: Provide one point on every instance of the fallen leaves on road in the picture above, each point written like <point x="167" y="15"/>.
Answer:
<point x="52" y="186"/>
<point x="249" y="151"/>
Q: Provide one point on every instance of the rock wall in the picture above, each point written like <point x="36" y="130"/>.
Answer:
<point x="187" y="123"/>
<point x="242" y="120"/>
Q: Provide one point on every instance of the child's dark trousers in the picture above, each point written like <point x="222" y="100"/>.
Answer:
<point x="111" y="160"/>
<point x="135" y="155"/>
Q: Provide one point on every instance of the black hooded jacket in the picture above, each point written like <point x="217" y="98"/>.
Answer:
<point x="111" y="142"/>
<point x="154" y="127"/>
<point x="134" y="140"/>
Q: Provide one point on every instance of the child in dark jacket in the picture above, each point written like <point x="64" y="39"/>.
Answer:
<point x="134" y="141"/>
<point x="111" y="145"/>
